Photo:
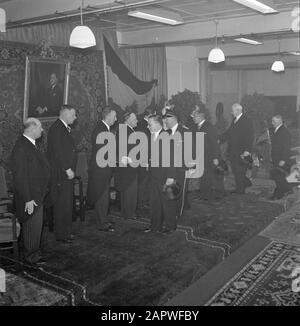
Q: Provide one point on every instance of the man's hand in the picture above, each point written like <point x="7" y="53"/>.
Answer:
<point x="170" y="181"/>
<point x="281" y="163"/>
<point x="215" y="161"/>
<point x="245" y="154"/>
<point x="70" y="174"/>
<point x="125" y="160"/>
<point x="189" y="173"/>
<point x="29" y="206"/>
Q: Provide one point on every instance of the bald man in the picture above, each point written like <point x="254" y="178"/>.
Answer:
<point x="240" y="137"/>
<point x="31" y="175"/>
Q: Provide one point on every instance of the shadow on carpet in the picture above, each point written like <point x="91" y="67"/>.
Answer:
<point x="129" y="267"/>
<point x="230" y="221"/>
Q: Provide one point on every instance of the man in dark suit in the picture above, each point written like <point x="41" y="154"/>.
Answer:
<point x="211" y="153"/>
<point x="240" y="137"/>
<point x="163" y="211"/>
<point x="52" y="99"/>
<point x="61" y="154"/>
<point x="31" y="175"/>
<point x="173" y="126"/>
<point x="143" y="175"/>
<point x="100" y="176"/>
<point x="125" y="174"/>
<point x="280" y="152"/>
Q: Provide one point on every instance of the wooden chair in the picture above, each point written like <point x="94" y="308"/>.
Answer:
<point x="9" y="227"/>
<point x="80" y="187"/>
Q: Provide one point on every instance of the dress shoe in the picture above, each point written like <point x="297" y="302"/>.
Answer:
<point x="148" y="230"/>
<point x="64" y="240"/>
<point x="168" y="231"/>
<point x="239" y="192"/>
<point x="108" y="228"/>
<point x="71" y="237"/>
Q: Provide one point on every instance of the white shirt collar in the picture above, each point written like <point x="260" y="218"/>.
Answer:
<point x="201" y="123"/>
<point x="277" y="128"/>
<point x="108" y="127"/>
<point x="174" y="128"/>
<point x="30" y="139"/>
<point x="157" y="133"/>
<point x="238" y="117"/>
<point x="64" y="123"/>
<point x="130" y="127"/>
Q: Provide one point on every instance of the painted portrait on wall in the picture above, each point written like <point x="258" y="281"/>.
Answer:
<point x="46" y="87"/>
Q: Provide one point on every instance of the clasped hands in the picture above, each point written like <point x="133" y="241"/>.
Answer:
<point x="125" y="160"/>
<point x="29" y="206"/>
<point x="70" y="174"/>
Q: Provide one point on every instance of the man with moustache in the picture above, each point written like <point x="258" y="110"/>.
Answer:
<point x="31" y="176"/>
<point x="99" y="177"/>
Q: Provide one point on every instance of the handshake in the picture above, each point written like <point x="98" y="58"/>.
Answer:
<point x="126" y="160"/>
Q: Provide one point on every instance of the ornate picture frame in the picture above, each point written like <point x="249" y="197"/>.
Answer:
<point x="46" y="87"/>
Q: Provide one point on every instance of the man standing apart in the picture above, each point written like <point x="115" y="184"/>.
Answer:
<point x="100" y="177"/>
<point x="280" y="152"/>
<point x="240" y="137"/>
<point x="61" y="154"/>
<point x="31" y="175"/>
<point x="211" y="152"/>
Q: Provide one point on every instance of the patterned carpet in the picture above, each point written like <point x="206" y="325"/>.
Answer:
<point x="129" y="267"/>
<point x="20" y="291"/>
<point x="266" y="281"/>
<point x="286" y="228"/>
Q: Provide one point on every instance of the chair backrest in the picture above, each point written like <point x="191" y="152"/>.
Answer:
<point x="3" y="185"/>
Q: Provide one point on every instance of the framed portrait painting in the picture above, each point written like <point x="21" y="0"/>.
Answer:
<point x="46" y="87"/>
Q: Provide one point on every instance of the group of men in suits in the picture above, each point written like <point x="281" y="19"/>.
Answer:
<point x="41" y="179"/>
<point x="48" y="179"/>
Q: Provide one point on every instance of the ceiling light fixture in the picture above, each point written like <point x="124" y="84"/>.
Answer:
<point x="82" y="36"/>
<point x="258" y="6"/>
<point x="247" y="41"/>
<point x="216" y="55"/>
<point x="278" y="65"/>
<point x="158" y="15"/>
<point x="294" y="52"/>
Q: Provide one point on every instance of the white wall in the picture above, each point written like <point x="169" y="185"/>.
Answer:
<point x="183" y="69"/>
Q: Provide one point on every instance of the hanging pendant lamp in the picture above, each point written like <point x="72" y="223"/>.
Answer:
<point x="82" y="36"/>
<point x="278" y="65"/>
<point x="216" y="55"/>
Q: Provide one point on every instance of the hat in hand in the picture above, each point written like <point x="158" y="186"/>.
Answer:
<point x="221" y="168"/>
<point x="172" y="191"/>
<point x="247" y="161"/>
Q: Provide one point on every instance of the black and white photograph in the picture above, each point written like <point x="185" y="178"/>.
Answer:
<point x="149" y="156"/>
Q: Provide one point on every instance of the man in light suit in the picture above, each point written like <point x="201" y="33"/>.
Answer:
<point x="61" y="154"/>
<point x="240" y="138"/>
<point x="99" y="177"/>
<point x="280" y="152"/>
<point x="31" y="175"/>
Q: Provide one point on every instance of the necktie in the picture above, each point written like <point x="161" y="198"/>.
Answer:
<point x="69" y="129"/>
<point x="169" y="131"/>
